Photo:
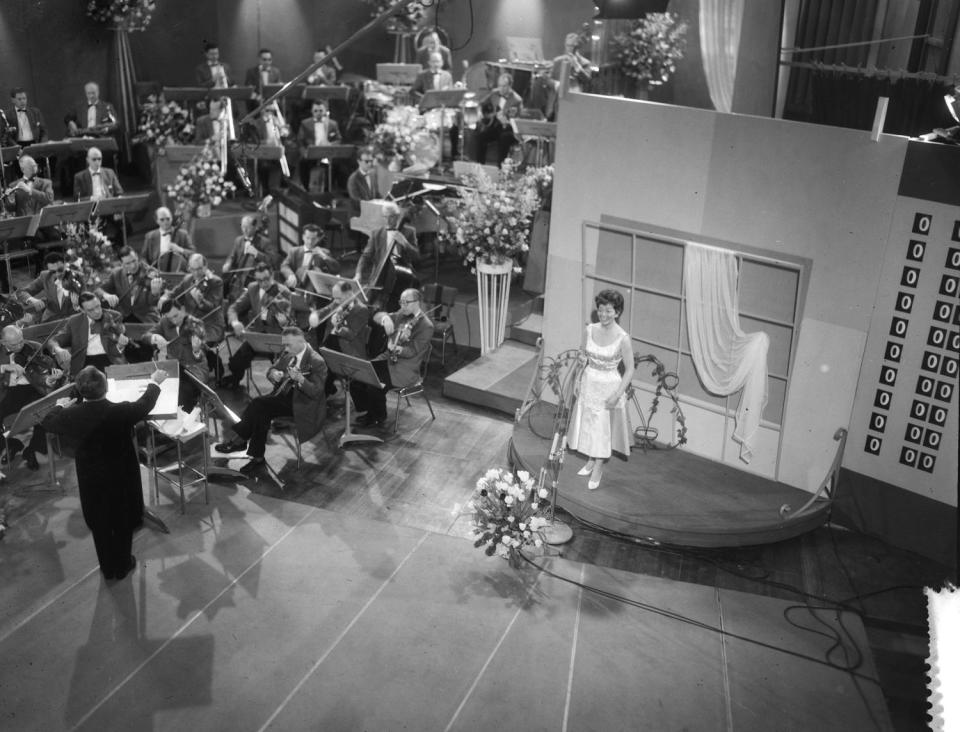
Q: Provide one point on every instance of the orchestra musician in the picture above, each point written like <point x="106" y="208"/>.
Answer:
<point x="432" y="44"/>
<point x="54" y="294"/>
<point x="200" y="293"/>
<point x="166" y="248"/>
<point x="30" y="193"/>
<point x="362" y="185"/>
<point x="212" y="125"/>
<point x="347" y="326"/>
<point x="92" y="118"/>
<point x="21" y="124"/>
<point x="433" y="79"/>
<point x="181" y="337"/>
<point x="409" y="331"/>
<point x="299" y="375"/>
<point x="267" y="305"/>
<point x="92" y="337"/>
<point x="26" y="374"/>
<point x="133" y="288"/>
<point x="324" y="75"/>
<point x="262" y="74"/>
<point x="212" y="72"/>
<point x="249" y="249"/>
<point x="317" y="129"/>
<point x="581" y="68"/>
<point x="506" y="104"/>
<point x="309" y="256"/>
<point x="272" y="130"/>
<point x="95" y="182"/>
<point x="388" y="260"/>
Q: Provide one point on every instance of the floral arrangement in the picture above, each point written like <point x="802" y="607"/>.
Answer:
<point x="162" y="122"/>
<point x="492" y="219"/>
<point x="650" y="51"/>
<point x="397" y="138"/>
<point x="405" y="20"/>
<point x="130" y="15"/>
<point x="200" y="182"/>
<point x="88" y="251"/>
<point x="508" y="513"/>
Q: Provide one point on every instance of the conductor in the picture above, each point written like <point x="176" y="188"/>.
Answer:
<point x="108" y="472"/>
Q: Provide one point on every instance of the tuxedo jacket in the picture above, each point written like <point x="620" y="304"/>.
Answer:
<point x="355" y="331"/>
<point x="83" y="183"/>
<point x="44" y="289"/>
<point x="424" y="82"/>
<point x="309" y="400"/>
<point x="22" y="203"/>
<point x="248" y="305"/>
<point x="269" y="253"/>
<point x="358" y="190"/>
<point x="321" y="260"/>
<point x="36" y="381"/>
<point x="74" y="339"/>
<point x="170" y="261"/>
<point x="179" y="346"/>
<point x="209" y="308"/>
<point x="204" y="77"/>
<point x="253" y="77"/>
<point x="306" y="135"/>
<point x="406" y="370"/>
<point x="107" y="119"/>
<point x="136" y="298"/>
<point x="13" y="133"/>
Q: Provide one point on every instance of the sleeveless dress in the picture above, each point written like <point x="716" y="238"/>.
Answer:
<point x="594" y="430"/>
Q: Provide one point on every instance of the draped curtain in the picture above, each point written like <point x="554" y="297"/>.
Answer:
<point x="726" y="359"/>
<point x="720" y="25"/>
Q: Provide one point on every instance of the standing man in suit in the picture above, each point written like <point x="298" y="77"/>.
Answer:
<point x="317" y="129"/>
<point x="92" y="337"/>
<point x="167" y="248"/>
<point x="304" y="373"/>
<point x="21" y="124"/>
<point x="389" y="259"/>
<point x="409" y="331"/>
<point x="95" y="182"/>
<point x="108" y="470"/>
<point x="212" y="73"/>
<point x="260" y="75"/>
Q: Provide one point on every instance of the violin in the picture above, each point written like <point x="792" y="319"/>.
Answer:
<point x="38" y="367"/>
<point x="10" y="311"/>
<point x="399" y="338"/>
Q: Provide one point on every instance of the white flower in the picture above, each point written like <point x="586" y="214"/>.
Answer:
<point x="523" y="476"/>
<point x="543" y="493"/>
<point x="509" y="500"/>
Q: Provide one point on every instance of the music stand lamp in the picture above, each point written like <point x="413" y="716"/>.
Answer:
<point x="16" y="228"/>
<point x="351" y="368"/>
<point x="121" y="205"/>
<point x="443" y="99"/>
<point x="329" y="153"/>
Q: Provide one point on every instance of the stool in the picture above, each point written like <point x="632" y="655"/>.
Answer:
<point x="180" y="440"/>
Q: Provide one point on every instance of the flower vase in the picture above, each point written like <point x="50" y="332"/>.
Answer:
<point x="204" y="210"/>
<point x="493" y="289"/>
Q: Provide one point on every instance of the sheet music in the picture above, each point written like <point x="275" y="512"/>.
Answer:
<point x="129" y="390"/>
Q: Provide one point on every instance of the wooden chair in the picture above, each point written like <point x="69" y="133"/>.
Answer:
<point x="442" y="298"/>
<point x="405" y="392"/>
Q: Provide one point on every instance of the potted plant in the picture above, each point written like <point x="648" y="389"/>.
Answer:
<point x="649" y="52"/>
<point x="200" y="186"/>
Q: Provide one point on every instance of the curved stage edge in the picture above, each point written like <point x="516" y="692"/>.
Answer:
<point x="671" y="496"/>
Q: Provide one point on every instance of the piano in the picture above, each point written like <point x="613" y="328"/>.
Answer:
<point x="371" y="216"/>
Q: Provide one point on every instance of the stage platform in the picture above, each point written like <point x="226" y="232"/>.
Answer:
<point x="257" y="613"/>
<point x="670" y="496"/>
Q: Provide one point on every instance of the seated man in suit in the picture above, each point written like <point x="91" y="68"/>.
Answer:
<point x="212" y="125"/>
<point x="93" y="118"/>
<point x="266" y="305"/>
<point x="200" y="292"/>
<point x="346" y="329"/>
<point x="45" y="297"/>
<point x="95" y="182"/>
<point x="167" y="248"/>
<point x="324" y="75"/>
<point x="180" y="337"/>
<point x="249" y="249"/>
<point x="22" y="124"/>
<point x="362" y="185"/>
<point x="260" y="75"/>
<point x="212" y="73"/>
<point x="409" y="331"/>
<point x="30" y="193"/>
<point x="133" y="288"/>
<point x="92" y="337"/>
<point x="299" y="375"/>
<point x="388" y="260"/>
<point x="505" y="104"/>
<point x="317" y="129"/>
<point x="299" y="261"/>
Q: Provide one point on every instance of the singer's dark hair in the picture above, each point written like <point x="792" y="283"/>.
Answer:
<point x="17" y="90"/>
<point x="610" y="297"/>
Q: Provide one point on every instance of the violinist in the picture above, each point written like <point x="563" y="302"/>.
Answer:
<point x="180" y="337"/>
<point x="265" y="305"/>
<point x="249" y="249"/>
<point x="166" y="247"/>
<point x="581" y="68"/>
<point x="55" y="293"/>
<point x="25" y="376"/>
<point x="409" y="331"/>
<point x="347" y="326"/>
<point x="309" y="256"/>
<point x="200" y="292"/>
<point x="133" y="289"/>
<point x="92" y="337"/>
<point x="299" y="375"/>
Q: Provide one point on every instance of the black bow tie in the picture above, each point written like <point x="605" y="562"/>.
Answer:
<point x="94" y="172"/>
<point x="91" y="104"/>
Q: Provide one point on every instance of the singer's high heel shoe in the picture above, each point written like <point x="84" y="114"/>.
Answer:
<point x="586" y="469"/>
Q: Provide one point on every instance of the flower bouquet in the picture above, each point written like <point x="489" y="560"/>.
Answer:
<point x="650" y="51"/>
<point x="397" y="139"/>
<point x="130" y="15"/>
<point x="89" y="251"/>
<point x="405" y="20"/>
<point x="200" y="183"/>
<point x="508" y="513"/>
<point x="163" y="122"/>
<point x="493" y="218"/>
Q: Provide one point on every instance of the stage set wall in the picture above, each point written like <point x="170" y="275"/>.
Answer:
<point x="780" y="189"/>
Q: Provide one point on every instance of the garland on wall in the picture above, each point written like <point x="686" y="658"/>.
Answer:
<point x="129" y="15"/>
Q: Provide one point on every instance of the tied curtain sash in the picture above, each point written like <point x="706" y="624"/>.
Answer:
<point x="720" y="25"/>
<point x="727" y="359"/>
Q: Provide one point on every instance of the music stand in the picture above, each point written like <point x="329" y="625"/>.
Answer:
<point x="182" y="153"/>
<point x="264" y="342"/>
<point x="263" y="151"/>
<point x="122" y="205"/>
<point x="543" y="131"/>
<point x="128" y="378"/>
<point x="15" y="228"/>
<point x="10" y="154"/>
<point x="326" y="93"/>
<point x="186" y="93"/>
<point x="40" y="331"/>
<point x="351" y="368"/>
<point x="398" y="74"/>
<point x="63" y="213"/>
<point x="234" y="93"/>
<point x="211" y="404"/>
<point x="327" y="153"/>
<point x="103" y="144"/>
<point x="31" y="415"/>
<point x="324" y="283"/>
<point x="47" y="150"/>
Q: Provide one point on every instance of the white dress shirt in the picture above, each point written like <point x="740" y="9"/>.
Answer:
<point x="26" y="131"/>
<point x="92" y="115"/>
<point x="94" y="341"/>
